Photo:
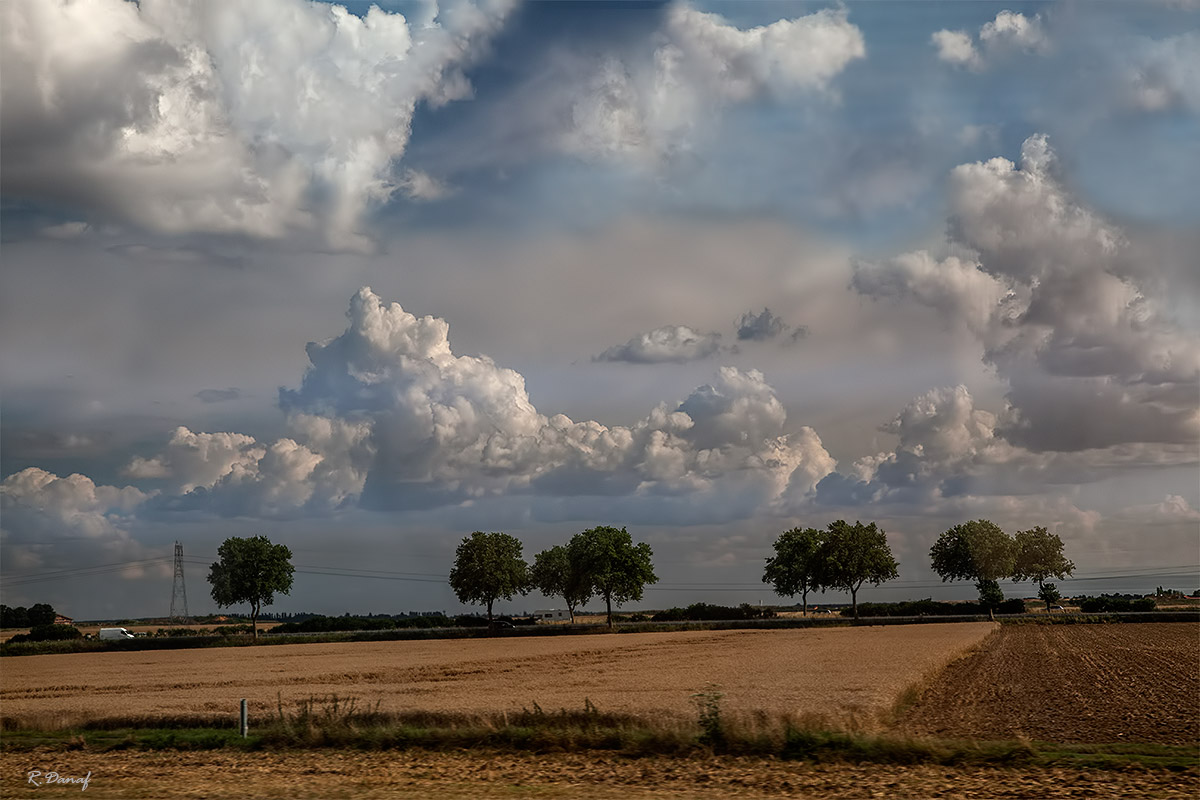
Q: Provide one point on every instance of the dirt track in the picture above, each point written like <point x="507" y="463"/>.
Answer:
<point x="1070" y="683"/>
<point x="416" y="774"/>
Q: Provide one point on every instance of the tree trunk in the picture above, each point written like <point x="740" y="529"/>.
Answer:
<point x="254" y="619"/>
<point x="608" y="604"/>
<point x="804" y="599"/>
<point x="490" y="629"/>
<point x="571" y="611"/>
<point x="1041" y="594"/>
<point x="854" y="600"/>
<point x="991" y="614"/>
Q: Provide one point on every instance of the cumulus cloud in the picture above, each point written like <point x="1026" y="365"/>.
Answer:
<point x="644" y="110"/>
<point x="388" y="416"/>
<point x="1091" y="356"/>
<point x="956" y="47"/>
<point x="252" y="118"/>
<point x="1010" y="31"/>
<point x="42" y="512"/>
<point x="670" y="343"/>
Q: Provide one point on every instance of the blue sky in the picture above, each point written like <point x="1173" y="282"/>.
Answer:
<point x="973" y="224"/>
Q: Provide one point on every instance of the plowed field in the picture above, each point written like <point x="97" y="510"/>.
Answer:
<point x="1070" y="683"/>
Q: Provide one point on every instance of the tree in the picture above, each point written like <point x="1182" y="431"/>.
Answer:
<point x="42" y="614"/>
<point x="853" y="555"/>
<point x="612" y="565"/>
<point x="795" y="568"/>
<point x="488" y="567"/>
<point x="555" y="574"/>
<point x="976" y="550"/>
<point x="1039" y="555"/>
<point x="251" y="571"/>
<point x="14" y="617"/>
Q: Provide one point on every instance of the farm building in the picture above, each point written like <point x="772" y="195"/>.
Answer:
<point x="59" y="619"/>
<point x="552" y="615"/>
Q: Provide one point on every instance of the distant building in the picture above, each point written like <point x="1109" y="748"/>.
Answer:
<point x="59" y="619"/>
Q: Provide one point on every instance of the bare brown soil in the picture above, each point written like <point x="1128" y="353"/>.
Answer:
<point x="841" y="675"/>
<point x="484" y="774"/>
<point x="1070" y="683"/>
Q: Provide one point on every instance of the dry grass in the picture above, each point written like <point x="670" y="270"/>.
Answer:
<point x="844" y="677"/>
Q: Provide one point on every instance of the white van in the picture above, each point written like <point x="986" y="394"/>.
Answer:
<point x="115" y="633"/>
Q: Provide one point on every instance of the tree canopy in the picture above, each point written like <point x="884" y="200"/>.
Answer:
<point x="977" y="550"/>
<point x="796" y="566"/>
<point x="251" y="571"/>
<point x="612" y="565"/>
<point x="555" y="574"/>
<point x="488" y="567"/>
<point x="852" y="555"/>
<point x="1039" y="555"/>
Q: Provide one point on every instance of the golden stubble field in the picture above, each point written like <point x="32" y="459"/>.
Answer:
<point x="841" y="675"/>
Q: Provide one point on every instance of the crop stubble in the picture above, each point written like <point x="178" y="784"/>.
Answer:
<point x="841" y="675"/>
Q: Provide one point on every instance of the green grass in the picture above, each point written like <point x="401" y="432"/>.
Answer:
<point x="334" y="723"/>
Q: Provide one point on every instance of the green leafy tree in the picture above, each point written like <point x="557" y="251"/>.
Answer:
<point x="41" y="614"/>
<point x="554" y="574"/>
<point x="796" y="566"/>
<point x="612" y="565"/>
<point x="976" y="550"/>
<point x="250" y="571"/>
<point x="488" y="567"/>
<point x="853" y="555"/>
<point x="1039" y="555"/>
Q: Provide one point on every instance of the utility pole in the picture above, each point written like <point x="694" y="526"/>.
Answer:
<point x="179" y="609"/>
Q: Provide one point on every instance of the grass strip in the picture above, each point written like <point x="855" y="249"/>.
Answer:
<point x="322" y="724"/>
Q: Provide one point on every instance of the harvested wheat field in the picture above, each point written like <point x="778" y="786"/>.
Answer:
<point x="845" y="676"/>
<point x="1070" y="683"/>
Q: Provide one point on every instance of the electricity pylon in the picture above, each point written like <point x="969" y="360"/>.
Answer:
<point x="179" y="609"/>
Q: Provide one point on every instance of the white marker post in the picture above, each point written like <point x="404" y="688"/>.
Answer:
<point x="245" y="723"/>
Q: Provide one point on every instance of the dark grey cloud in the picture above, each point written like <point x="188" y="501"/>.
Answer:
<point x="759" y="327"/>
<point x="218" y="395"/>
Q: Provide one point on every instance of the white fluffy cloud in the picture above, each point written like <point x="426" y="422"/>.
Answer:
<point x="1010" y="31"/>
<point x="1090" y="355"/>
<point x="670" y="343"/>
<point x="644" y="111"/>
<point x="390" y="417"/>
<point x="52" y="520"/>
<point x="254" y="118"/>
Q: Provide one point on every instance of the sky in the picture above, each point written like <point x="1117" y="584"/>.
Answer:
<point x="367" y="278"/>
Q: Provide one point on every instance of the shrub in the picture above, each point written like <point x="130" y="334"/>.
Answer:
<point x="1115" y="602"/>
<point x="706" y="611"/>
<point x="48" y="633"/>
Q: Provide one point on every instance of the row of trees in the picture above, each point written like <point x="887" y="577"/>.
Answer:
<point x="604" y="562"/>
<point x="600" y="562"/>
<point x="842" y="557"/>
<point x="979" y="550"/>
